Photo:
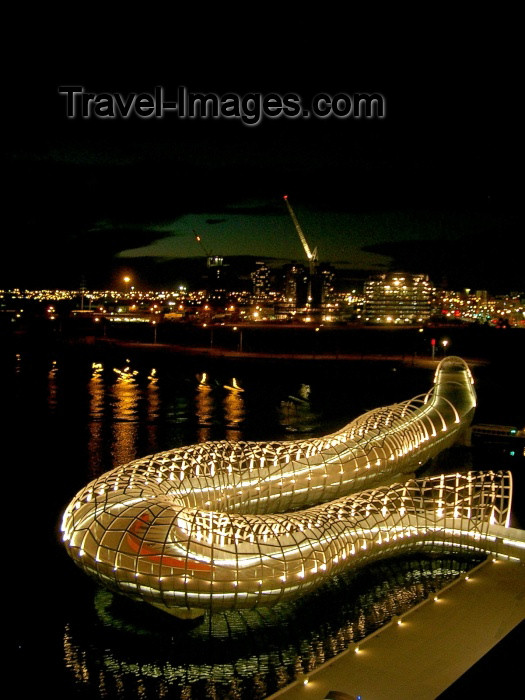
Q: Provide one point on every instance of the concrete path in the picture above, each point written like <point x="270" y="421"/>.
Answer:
<point x="436" y="643"/>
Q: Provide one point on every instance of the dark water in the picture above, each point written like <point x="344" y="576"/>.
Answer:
<point x="75" y="413"/>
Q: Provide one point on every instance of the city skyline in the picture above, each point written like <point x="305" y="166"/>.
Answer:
<point x="427" y="186"/>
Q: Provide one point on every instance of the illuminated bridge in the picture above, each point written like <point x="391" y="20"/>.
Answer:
<point x="222" y="525"/>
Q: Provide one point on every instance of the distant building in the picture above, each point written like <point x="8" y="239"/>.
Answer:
<point x="218" y="282"/>
<point x="482" y="295"/>
<point x="398" y="297"/>
<point x="325" y="278"/>
<point x="302" y="290"/>
<point x="295" y="286"/>
<point x="261" y="281"/>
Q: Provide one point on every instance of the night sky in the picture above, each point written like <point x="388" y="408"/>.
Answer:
<point x="432" y="187"/>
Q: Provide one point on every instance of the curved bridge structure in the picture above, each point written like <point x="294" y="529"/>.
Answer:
<point x="222" y="525"/>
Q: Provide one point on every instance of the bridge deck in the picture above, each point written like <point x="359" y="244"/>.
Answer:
<point x="435" y="645"/>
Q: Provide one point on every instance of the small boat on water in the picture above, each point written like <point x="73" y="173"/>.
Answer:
<point x="233" y="386"/>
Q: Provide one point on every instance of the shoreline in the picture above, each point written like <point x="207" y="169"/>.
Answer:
<point x="219" y="353"/>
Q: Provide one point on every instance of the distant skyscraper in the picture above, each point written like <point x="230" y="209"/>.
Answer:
<point x="219" y="280"/>
<point x="295" y="285"/>
<point x="398" y="297"/>
<point x="326" y="276"/>
<point x="261" y="281"/>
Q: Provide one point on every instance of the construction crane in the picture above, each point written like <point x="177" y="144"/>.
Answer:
<point x="211" y="260"/>
<point x="199" y="241"/>
<point x="310" y="255"/>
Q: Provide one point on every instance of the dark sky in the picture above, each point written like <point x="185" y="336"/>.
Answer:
<point x="432" y="186"/>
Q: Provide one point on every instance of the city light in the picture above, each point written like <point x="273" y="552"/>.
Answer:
<point x="394" y="299"/>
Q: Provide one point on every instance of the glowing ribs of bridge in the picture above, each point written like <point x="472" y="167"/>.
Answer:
<point x="217" y="525"/>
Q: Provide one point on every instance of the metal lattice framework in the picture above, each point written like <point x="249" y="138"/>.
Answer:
<point x="229" y="525"/>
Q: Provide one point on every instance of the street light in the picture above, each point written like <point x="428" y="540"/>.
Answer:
<point x="240" y="337"/>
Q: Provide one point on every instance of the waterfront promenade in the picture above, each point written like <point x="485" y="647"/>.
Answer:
<point x="436" y="643"/>
<point x="228" y="354"/>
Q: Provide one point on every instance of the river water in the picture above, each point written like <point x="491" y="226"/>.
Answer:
<point x="74" y="413"/>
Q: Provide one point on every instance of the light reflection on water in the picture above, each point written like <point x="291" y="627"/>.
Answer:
<point x="153" y="410"/>
<point x="233" y="404"/>
<point x="204" y="404"/>
<point x="52" y="397"/>
<point x="95" y="422"/>
<point x="124" y="397"/>
<point x="125" y="650"/>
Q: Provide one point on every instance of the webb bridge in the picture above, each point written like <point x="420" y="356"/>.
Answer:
<point x="226" y="525"/>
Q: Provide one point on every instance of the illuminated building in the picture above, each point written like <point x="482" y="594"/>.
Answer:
<point x="398" y="297"/>
<point x="506" y="310"/>
<point x="218" y="280"/>
<point x="226" y="525"/>
<point x="326" y="274"/>
<point x="295" y="286"/>
<point x="261" y="281"/>
<point x="308" y="289"/>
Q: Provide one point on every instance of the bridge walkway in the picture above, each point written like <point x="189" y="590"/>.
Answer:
<point x="436" y="643"/>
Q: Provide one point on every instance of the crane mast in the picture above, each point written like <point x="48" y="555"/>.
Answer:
<point x="199" y="241"/>
<point x="211" y="260"/>
<point x="310" y="255"/>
